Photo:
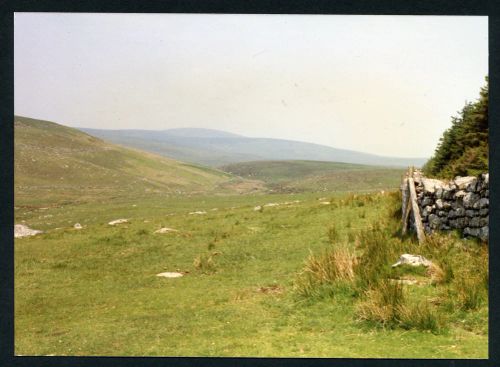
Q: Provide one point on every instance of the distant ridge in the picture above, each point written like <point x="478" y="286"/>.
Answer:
<point x="217" y="148"/>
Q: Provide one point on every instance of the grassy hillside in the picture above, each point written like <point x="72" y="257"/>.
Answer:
<point x="219" y="148"/>
<point x="254" y="283"/>
<point x="58" y="163"/>
<point x="317" y="176"/>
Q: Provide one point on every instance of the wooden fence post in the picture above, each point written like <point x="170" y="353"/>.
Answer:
<point x="416" y="211"/>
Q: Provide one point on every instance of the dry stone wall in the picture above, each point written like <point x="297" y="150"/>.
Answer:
<point x="462" y="203"/>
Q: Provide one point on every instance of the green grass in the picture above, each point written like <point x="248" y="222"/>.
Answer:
<point x="94" y="291"/>
<point x="300" y="176"/>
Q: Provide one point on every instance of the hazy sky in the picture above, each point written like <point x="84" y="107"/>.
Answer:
<point x="379" y="84"/>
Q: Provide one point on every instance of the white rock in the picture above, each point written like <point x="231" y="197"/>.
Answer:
<point x="431" y="184"/>
<point x="117" y="221"/>
<point x="199" y="212"/>
<point x="258" y="207"/>
<point x="271" y="204"/>
<point x="170" y="274"/>
<point x="166" y="230"/>
<point x="463" y="182"/>
<point x="77" y="226"/>
<point x="413" y="260"/>
<point x="21" y="230"/>
<point x="325" y="203"/>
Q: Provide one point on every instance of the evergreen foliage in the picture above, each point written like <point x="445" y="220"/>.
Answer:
<point x="463" y="148"/>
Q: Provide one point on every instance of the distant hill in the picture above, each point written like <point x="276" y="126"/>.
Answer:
<point x="54" y="163"/>
<point x="216" y="148"/>
<point x="299" y="176"/>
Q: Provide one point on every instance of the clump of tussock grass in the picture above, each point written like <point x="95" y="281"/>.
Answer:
<point x="470" y="291"/>
<point x="330" y="268"/>
<point x="387" y="306"/>
<point x="381" y="304"/>
<point x="205" y="263"/>
<point x="420" y="316"/>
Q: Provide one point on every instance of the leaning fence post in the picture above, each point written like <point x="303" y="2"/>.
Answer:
<point x="406" y="208"/>
<point x="416" y="211"/>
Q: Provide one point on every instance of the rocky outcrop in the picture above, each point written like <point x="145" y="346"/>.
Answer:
<point x="462" y="203"/>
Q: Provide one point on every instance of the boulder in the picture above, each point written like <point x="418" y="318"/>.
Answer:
<point x="464" y="182"/>
<point x="413" y="260"/>
<point x="20" y="230"/>
<point x="117" y="221"/>
<point x="431" y="185"/>
<point x="170" y="274"/>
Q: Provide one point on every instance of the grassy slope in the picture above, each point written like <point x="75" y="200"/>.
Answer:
<point x="316" y="175"/>
<point x="54" y="162"/>
<point x="94" y="291"/>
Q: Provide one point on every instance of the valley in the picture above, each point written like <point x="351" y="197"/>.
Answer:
<point x="245" y="237"/>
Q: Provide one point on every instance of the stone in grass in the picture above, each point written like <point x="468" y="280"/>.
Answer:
<point x="170" y="274"/>
<point x="117" y="221"/>
<point x="413" y="260"/>
<point x="166" y="230"/>
<point x="77" y="226"/>
<point x="20" y="230"/>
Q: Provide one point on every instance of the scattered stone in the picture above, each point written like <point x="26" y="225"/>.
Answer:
<point x="271" y="204"/>
<point x="325" y="203"/>
<point x="117" y="221"/>
<point x="170" y="274"/>
<point x="166" y="230"/>
<point x="199" y="212"/>
<point x="413" y="260"/>
<point x="77" y="226"/>
<point x="21" y="230"/>
<point x="258" y="207"/>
